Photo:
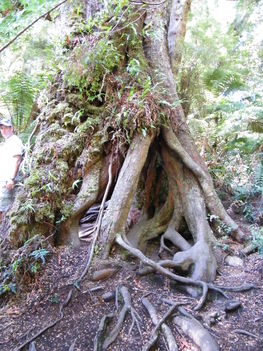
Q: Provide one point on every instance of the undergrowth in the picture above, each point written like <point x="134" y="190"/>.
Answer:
<point x="257" y="238"/>
<point x="18" y="266"/>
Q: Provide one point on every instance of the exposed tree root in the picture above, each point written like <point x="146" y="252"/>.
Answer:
<point x="116" y="215"/>
<point x="200" y="336"/>
<point x="194" y="211"/>
<point x="160" y="325"/>
<point x="176" y="239"/>
<point x="148" y="229"/>
<point x="100" y="335"/>
<point x="137" y="253"/>
<point x="102" y="342"/>
<point x="244" y="332"/>
<point x="212" y="200"/>
<point x="240" y="288"/>
<point x="188" y="281"/>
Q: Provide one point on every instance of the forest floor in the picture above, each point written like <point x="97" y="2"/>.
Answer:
<point x="37" y="306"/>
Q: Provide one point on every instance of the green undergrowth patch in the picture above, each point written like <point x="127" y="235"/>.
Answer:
<point x="257" y="238"/>
<point x="21" y="265"/>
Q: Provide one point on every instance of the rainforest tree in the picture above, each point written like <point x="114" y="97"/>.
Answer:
<point x="113" y="128"/>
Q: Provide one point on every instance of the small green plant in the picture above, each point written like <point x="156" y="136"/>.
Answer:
<point x="248" y="213"/>
<point x="39" y="254"/>
<point x="24" y="262"/>
<point x="221" y="226"/>
<point x="134" y="68"/>
<point x="257" y="238"/>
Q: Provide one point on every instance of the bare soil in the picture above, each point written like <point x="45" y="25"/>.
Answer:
<point x="23" y="316"/>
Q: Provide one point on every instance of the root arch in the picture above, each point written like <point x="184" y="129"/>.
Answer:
<point x="185" y="200"/>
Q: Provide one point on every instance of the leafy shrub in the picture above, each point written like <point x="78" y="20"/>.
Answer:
<point x="257" y="238"/>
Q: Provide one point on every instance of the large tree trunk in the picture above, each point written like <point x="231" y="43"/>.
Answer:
<point x="136" y="117"/>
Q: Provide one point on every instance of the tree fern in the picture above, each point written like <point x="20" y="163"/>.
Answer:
<point x="19" y="98"/>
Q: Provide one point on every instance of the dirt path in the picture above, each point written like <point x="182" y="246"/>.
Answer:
<point x="38" y="306"/>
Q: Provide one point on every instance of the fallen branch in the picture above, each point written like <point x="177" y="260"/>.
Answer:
<point x="164" y="327"/>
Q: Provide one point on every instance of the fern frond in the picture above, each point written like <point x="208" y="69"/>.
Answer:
<point x="19" y="98"/>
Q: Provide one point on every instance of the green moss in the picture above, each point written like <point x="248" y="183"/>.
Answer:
<point x="33" y="180"/>
<point x="44" y="213"/>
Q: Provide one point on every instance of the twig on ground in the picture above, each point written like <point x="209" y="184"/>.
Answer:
<point x="32" y="346"/>
<point x="244" y="332"/>
<point x="96" y="288"/>
<point x="72" y="345"/>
